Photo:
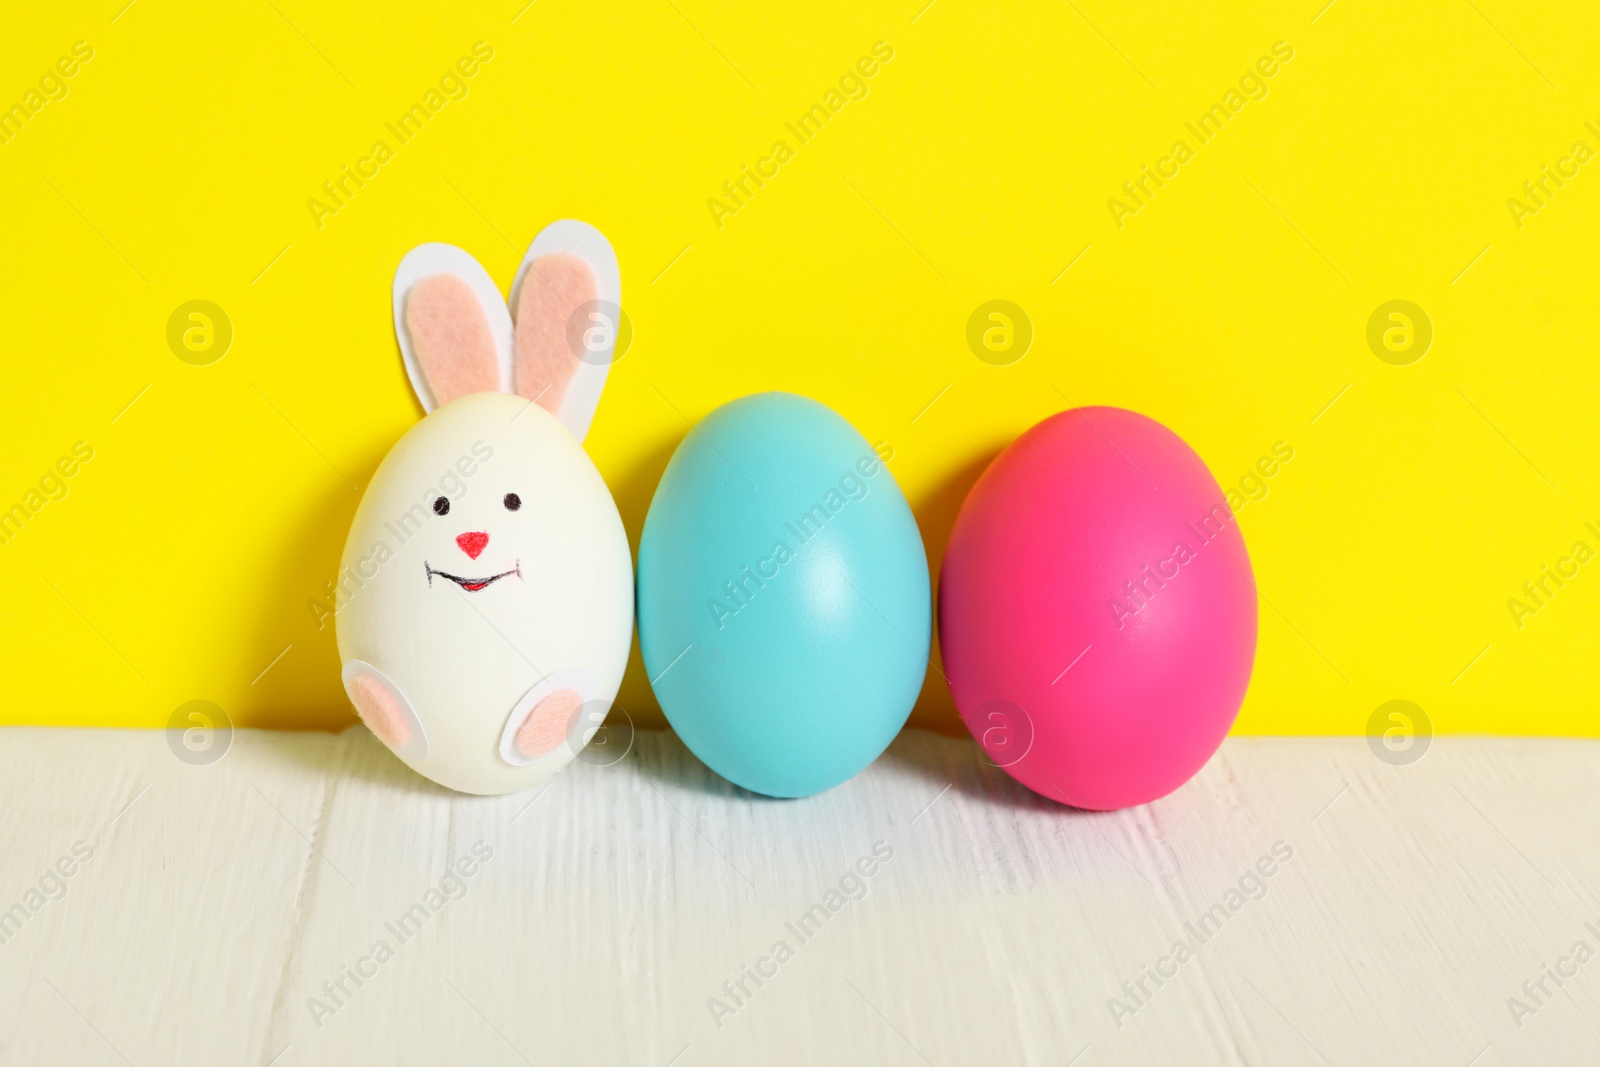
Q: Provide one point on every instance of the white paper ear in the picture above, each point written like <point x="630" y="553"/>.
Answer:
<point x="588" y="331"/>
<point x="446" y="350"/>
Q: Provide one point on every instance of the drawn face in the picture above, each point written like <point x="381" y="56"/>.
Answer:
<point x="473" y="543"/>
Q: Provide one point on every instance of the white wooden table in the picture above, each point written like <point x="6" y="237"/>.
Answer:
<point x="613" y="918"/>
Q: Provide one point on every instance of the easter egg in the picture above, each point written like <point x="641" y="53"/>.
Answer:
<point x="1097" y="613"/>
<point x="484" y="605"/>
<point x="784" y="602"/>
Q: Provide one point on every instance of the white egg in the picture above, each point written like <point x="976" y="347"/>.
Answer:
<point x="487" y="596"/>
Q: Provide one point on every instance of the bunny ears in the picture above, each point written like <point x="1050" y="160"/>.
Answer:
<point x="553" y="345"/>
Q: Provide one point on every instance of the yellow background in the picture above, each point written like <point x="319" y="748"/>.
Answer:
<point x="1233" y="307"/>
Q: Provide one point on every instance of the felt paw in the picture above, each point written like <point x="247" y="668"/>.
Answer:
<point x="548" y="716"/>
<point x="384" y="709"/>
<point x="546" y="725"/>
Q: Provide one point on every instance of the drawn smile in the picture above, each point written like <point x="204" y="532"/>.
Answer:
<point x="472" y="585"/>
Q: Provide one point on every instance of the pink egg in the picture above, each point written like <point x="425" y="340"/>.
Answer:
<point x="1097" y="612"/>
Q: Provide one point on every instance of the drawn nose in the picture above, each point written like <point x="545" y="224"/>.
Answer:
<point x="472" y="543"/>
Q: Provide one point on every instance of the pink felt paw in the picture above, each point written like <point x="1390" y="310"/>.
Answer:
<point x="379" y="707"/>
<point x="546" y="726"/>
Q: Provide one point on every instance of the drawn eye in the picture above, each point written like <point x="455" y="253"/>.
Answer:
<point x="441" y="506"/>
<point x="513" y="502"/>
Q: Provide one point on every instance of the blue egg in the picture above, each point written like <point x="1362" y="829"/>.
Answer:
<point x="784" y="605"/>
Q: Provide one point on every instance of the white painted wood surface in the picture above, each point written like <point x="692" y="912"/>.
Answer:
<point x="616" y="904"/>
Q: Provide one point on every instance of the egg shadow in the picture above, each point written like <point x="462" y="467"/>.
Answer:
<point x="356" y="756"/>
<point x="664" y="757"/>
<point x="959" y="765"/>
<point x="633" y="492"/>
<point x="936" y="513"/>
<point x="301" y="689"/>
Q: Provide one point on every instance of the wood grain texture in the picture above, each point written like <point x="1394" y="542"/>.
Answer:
<point x="616" y="904"/>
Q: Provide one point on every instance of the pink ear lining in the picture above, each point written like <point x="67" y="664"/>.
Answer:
<point x="555" y="286"/>
<point x="450" y="338"/>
